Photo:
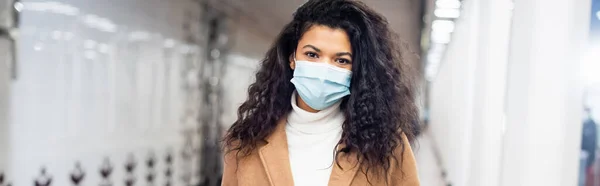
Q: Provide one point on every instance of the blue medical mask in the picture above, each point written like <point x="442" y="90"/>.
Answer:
<point x="321" y="85"/>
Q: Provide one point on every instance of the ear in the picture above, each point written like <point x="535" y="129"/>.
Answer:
<point x="292" y="62"/>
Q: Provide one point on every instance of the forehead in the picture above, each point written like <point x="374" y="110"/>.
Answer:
<point x="326" y="39"/>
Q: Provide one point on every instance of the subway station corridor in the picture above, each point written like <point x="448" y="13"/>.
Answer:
<point x="141" y="92"/>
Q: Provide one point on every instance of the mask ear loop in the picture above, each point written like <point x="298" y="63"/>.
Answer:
<point x="294" y="62"/>
<point x="294" y="56"/>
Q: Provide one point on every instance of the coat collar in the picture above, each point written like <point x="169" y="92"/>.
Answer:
<point x="275" y="159"/>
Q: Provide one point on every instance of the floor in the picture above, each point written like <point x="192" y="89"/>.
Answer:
<point x="430" y="172"/>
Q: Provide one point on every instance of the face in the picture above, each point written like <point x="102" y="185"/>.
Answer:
<point x="323" y="44"/>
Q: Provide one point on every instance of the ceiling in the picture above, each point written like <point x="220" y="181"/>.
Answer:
<point x="265" y="18"/>
<point x="404" y="16"/>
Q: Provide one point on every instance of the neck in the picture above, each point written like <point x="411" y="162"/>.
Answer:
<point x="302" y="119"/>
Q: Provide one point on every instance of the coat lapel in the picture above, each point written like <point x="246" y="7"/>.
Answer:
<point x="275" y="158"/>
<point x="349" y="167"/>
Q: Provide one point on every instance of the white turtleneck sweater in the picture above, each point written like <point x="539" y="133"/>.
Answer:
<point x="311" y="139"/>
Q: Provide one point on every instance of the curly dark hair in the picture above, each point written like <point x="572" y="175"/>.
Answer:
<point x="381" y="107"/>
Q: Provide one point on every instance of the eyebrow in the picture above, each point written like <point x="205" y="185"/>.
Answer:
<point x="343" y="54"/>
<point x="313" y="47"/>
<point x="336" y="54"/>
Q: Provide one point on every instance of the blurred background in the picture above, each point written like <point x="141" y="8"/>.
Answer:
<point x="139" y="92"/>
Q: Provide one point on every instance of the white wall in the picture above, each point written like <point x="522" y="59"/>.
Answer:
<point x="4" y="90"/>
<point x="239" y="75"/>
<point x="490" y="87"/>
<point x="467" y="95"/>
<point x="102" y="79"/>
<point x="505" y="106"/>
<point x="544" y="97"/>
<point x="451" y="98"/>
<point x="248" y="49"/>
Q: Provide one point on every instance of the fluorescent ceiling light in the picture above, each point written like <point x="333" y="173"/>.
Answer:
<point x="443" y="26"/>
<point x="447" y="13"/>
<point x="452" y="4"/>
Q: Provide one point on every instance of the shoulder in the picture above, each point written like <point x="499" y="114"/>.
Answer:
<point x="233" y="154"/>
<point x="403" y="155"/>
<point x="236" y="157"/>
<point x="240" y="168"/>
<point x="403" y="170"/>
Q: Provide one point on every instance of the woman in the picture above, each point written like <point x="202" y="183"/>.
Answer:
<point x="332" y="105"/>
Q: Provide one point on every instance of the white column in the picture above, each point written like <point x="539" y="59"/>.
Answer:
<point x="451" y="96"/>
<point x="489" y="91"/>
<point x="543" y="127"/>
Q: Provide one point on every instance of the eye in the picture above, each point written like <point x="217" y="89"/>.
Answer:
<point x="343" y="61"/>
<point x="311" y="55"/>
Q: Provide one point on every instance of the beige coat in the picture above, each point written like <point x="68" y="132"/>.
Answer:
<point x="269" y="165"/>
